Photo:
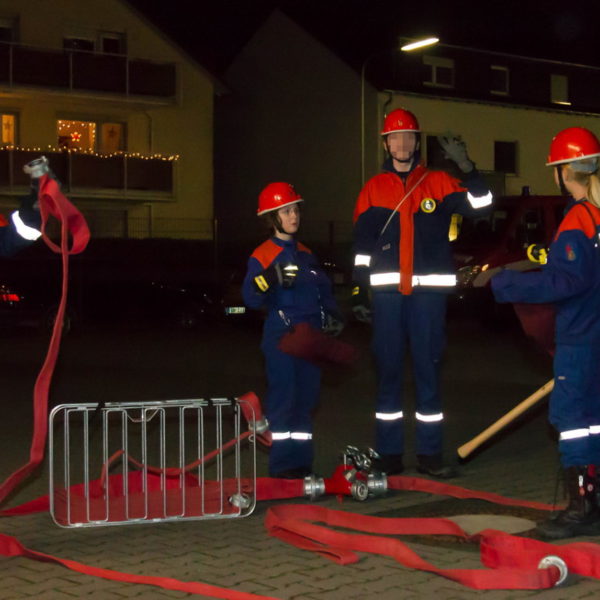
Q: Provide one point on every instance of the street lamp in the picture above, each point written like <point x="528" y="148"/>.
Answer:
<point x="407" y="47"/>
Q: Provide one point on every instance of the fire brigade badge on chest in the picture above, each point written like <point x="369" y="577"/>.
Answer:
<point x="428" y="205"/>
<point x="570" y="252"/>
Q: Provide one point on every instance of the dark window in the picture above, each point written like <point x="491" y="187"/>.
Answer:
<point x="8" y="30"/>
<point x="499" y="80"/>
<point x="73" y="43"/>
<point x="505" y="157"/>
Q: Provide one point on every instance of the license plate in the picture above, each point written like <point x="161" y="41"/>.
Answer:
<point x="235" y="310"/>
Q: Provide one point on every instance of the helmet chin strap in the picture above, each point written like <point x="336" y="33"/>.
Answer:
<point x="403" y="160"/>
<point x="276" y="220"/>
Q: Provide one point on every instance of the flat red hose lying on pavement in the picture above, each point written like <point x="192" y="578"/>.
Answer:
<point x="513" y="560"/>
<point x="52" y="203"/>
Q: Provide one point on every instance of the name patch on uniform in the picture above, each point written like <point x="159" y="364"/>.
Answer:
<point x="428" y="205"/>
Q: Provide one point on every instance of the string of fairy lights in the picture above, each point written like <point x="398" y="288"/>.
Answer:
<point x="88" y="152"/>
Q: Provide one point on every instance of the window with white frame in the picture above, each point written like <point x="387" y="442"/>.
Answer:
<point x="439" y="71"/>
<point x="559" y="90"/>
<point x="499" y="84"/>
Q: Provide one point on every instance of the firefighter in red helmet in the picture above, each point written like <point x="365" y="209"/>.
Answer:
<point x="403" y="272"/>
<point x="570" y="279"/>
<point x="285" y="278"/>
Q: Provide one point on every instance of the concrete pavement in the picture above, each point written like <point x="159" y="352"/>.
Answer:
<point x="485" y="373"/>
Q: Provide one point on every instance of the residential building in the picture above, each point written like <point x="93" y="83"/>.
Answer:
<point x="123" y="114"/>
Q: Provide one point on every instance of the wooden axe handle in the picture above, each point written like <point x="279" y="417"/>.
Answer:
<point x="503" y="421"/>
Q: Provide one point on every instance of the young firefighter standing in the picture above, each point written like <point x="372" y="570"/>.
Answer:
<point x="284" y="277"/>
<point x="571" y="280"/>
<point x="402" y="254"/>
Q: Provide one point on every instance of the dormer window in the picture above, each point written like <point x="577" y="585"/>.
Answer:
<point x="439" y="71"/>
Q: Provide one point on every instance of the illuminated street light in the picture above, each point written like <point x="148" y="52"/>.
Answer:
<point x="419" y="44"/>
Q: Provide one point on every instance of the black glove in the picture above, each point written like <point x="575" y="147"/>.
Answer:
<point x="361" y="304"/>
<point x="277" y="273"/>
<point x="29" y="209"/>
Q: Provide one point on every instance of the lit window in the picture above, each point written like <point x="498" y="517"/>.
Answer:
<point x="559" y="90"/>
<point x="440" y="71"/>
<point x="105" y="137"/>
<point x="8" y="129"/>
<point x="499" y="80"/>
<point x="79" y="135"/>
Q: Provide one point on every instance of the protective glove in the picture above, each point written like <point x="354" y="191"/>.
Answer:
<point x="276" y="274"/>
<point x="456" y="150"/>
<point x="537" y="253"/>
<point x="361" y="304"/>
<point x="334" y="324"/>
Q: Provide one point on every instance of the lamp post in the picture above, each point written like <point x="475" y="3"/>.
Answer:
<point x="407" y="47"/>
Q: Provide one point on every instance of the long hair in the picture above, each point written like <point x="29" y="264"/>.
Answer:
<point x="589" y="180"/>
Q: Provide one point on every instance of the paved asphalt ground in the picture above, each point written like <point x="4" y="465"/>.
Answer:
<point x="486" y="372"/>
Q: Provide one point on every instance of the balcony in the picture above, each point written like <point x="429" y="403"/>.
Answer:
<point x="78" y="71"/>
<point x="120" y="176"/>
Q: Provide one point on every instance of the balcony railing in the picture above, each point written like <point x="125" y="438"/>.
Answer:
<point x="118" y="175"/>
<point x="84" y="71"/>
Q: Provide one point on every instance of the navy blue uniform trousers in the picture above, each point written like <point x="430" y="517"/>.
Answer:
<point x="293" y="393"/>
<point x="415" y="322"/>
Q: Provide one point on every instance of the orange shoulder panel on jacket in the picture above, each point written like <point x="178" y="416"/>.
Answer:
<point x="440" y="184"/>
<point x="579" y="218"/>
<point x="304" y="248"/>
<point x="265" y="254"/>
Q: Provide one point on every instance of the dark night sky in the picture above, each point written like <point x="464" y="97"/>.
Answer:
<point x="214" y="32"/>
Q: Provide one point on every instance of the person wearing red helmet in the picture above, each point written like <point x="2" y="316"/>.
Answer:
<point x="570" y="279"/>
<point x="403" y="261"/>
<point x="284" y="277"/>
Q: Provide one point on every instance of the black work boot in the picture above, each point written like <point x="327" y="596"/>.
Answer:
<point x="434" y="466"/>
<point x="582" y="514"/>
<point x="390" y="464"/>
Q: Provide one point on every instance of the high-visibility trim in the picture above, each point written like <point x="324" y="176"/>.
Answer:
<point x="384" y="279"/>
<point x="389" y="416"/>
<point x="29" y="233"/>
<point x="594" y="429"/>
<point x="574" y="434"/>
<point x="479" y="201"/>
<point x="283" y="435"/>
<point x="300" y="435"/>
<point x="362" y="260"/>
<point x="261" y="283"/>
<point x="434" y="280"/>
<point x="429" y="418"/>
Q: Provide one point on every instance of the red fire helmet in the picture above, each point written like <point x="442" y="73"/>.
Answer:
<point x="277" y="195"/>
<point x="572" y="144"/>
<point x="400" y="120"/>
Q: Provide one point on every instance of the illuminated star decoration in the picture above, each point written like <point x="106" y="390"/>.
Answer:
<point x="76" y="136"/>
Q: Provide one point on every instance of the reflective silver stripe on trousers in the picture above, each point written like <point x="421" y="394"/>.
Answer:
<point x="594" y="429"/>
<point x="389" y="416"/>
<point x="479" y="201"/>
<point x="447" y="280"/>
<point x="574" y="434"/>
<point x="429" y="418"/>
<point x="291" y="435"/>
<point x="362" y="260"/>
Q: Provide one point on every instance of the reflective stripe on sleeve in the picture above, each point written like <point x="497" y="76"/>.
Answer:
<point x="479" y="201"/>
<point x="574" y="434"/>
<point x="594" y="429"/>
<point x="434" y="280"/>
<point x="278" y="436"/>
<point x="29" y="233"/>
<point x="389" y="416"/>
<point x="300" y="435"/>
<point x="362" y="260"/>
<point x="429" y="418"/>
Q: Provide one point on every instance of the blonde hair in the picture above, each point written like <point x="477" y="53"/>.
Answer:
<point x="590" y="181"/>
